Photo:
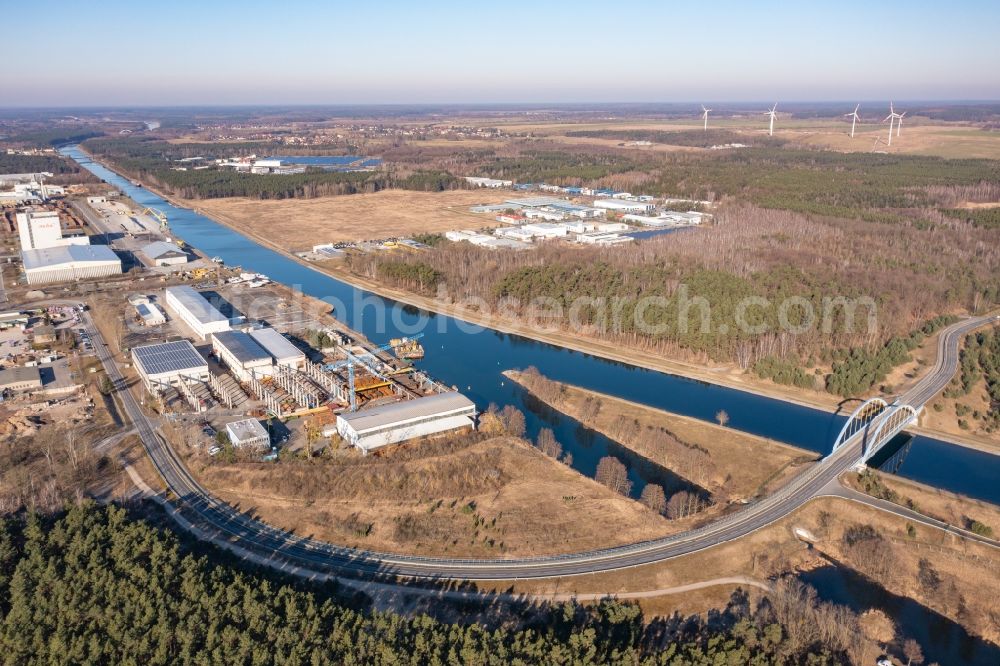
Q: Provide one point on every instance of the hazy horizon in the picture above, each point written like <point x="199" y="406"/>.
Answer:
<point x="728" y="105"/>
<point x="316" y="54"/>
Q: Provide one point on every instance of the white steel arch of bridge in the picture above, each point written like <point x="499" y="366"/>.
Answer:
<point x="859" y="420"/>
<point x="895" y="420"/>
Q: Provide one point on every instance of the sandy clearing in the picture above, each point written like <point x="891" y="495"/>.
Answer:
<point x="297" y="224"/>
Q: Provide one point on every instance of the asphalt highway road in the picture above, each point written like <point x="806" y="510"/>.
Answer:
<point x="284" y="549"/>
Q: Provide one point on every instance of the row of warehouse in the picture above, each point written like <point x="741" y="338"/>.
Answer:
<point x="261" y="359"/>
<point x="573" y="191"/>
<point x="178" y="364"/>
<point x="551" y="209"/>
<point x="254" y="353"/>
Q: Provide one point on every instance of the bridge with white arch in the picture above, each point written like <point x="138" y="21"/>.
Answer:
<point x="876" y="422"/>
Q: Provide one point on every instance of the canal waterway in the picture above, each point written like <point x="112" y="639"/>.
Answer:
<point x="471" y="358"/>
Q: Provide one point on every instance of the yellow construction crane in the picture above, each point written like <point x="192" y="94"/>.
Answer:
<point x="157" y="215"/>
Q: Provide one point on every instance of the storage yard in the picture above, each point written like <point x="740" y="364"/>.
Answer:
<point x="44" y="370"/>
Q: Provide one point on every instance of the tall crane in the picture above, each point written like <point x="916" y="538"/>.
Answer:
<point x="366" y="361"/>
<point x="157" y="214"/>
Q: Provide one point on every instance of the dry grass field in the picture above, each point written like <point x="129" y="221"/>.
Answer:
<point x="919" y="136"/>
<point x="951" y="141"/>
<point x="296" y="224"/>
<point x="498" y="497"/>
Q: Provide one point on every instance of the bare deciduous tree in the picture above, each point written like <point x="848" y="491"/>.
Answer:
<point x="913" y="652"/>
<point x="513" y="421"/>
<point x="490" y="421"/>
<point x="612" y="473"/>
<point x="683" y="504"/>
<point x="548" y="444"/>
<point x="654" y="498"/>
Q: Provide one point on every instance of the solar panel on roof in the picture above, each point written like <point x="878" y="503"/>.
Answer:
<point x="168" y="357"/>
<point x="242" y="346"/>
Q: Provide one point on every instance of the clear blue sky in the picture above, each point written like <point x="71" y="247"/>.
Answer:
<point x="290" y="52"/>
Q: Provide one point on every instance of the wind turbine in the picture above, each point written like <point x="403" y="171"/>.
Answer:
<point x="854" y="118"/>
<point x="899" y="123"/>
<point x="770" y="131"/>
<point x="704" y="115"/>
<point x="891" y="118"/>
<point x="878" y="140"/>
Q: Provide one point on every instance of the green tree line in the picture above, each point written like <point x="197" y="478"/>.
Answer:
<point x="867" y="185"/>
<point x="94" y="586"/>
<point x="980" y="360"/>
<point x="857" y="370"/>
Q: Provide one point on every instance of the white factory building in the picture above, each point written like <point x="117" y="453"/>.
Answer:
<point x="546" y="229"/>
<point x="248" y="434"/>
<point x="69" y="262"/>
<point x="690" y="217"/>
<point x="388" y="424"/>
<point x="25" y="193"/>
<point x="168" y="364"/>
<point x="241" y="354"/>
<point x="162" y="253"/>
<point x="194" y="310"/>
<point x="473" y="237"/>
<point x="668" y="218"/>
<point x="543" y="214"/>
<point x="603" y="238"/>
<point x="488" y="182"/>
<point x="151" y="314"/>
<point x="41" y="229"/>
<point x="516" y="233"/>
<point x="279" y="347"/>
<point x="646" y="220"/>
<point x="622" y="206"/>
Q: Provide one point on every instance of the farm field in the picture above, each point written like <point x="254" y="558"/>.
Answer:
<point x="919" y="136"/>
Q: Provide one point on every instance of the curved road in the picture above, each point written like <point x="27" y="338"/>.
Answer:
<point x="284" y="549"/>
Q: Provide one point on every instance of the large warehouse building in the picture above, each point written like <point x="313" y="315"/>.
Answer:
<point x="194" y="310"/>
<point x="278" y="346"/>
<point x="377" y="427"/>
<point x="41" y="229"/>
<point x="69" y="262"/>
<point x="622" y="206"/>
<point x="241" y="354"/>
<point x="166" y="364"/>
<point x="162" y="253"/>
